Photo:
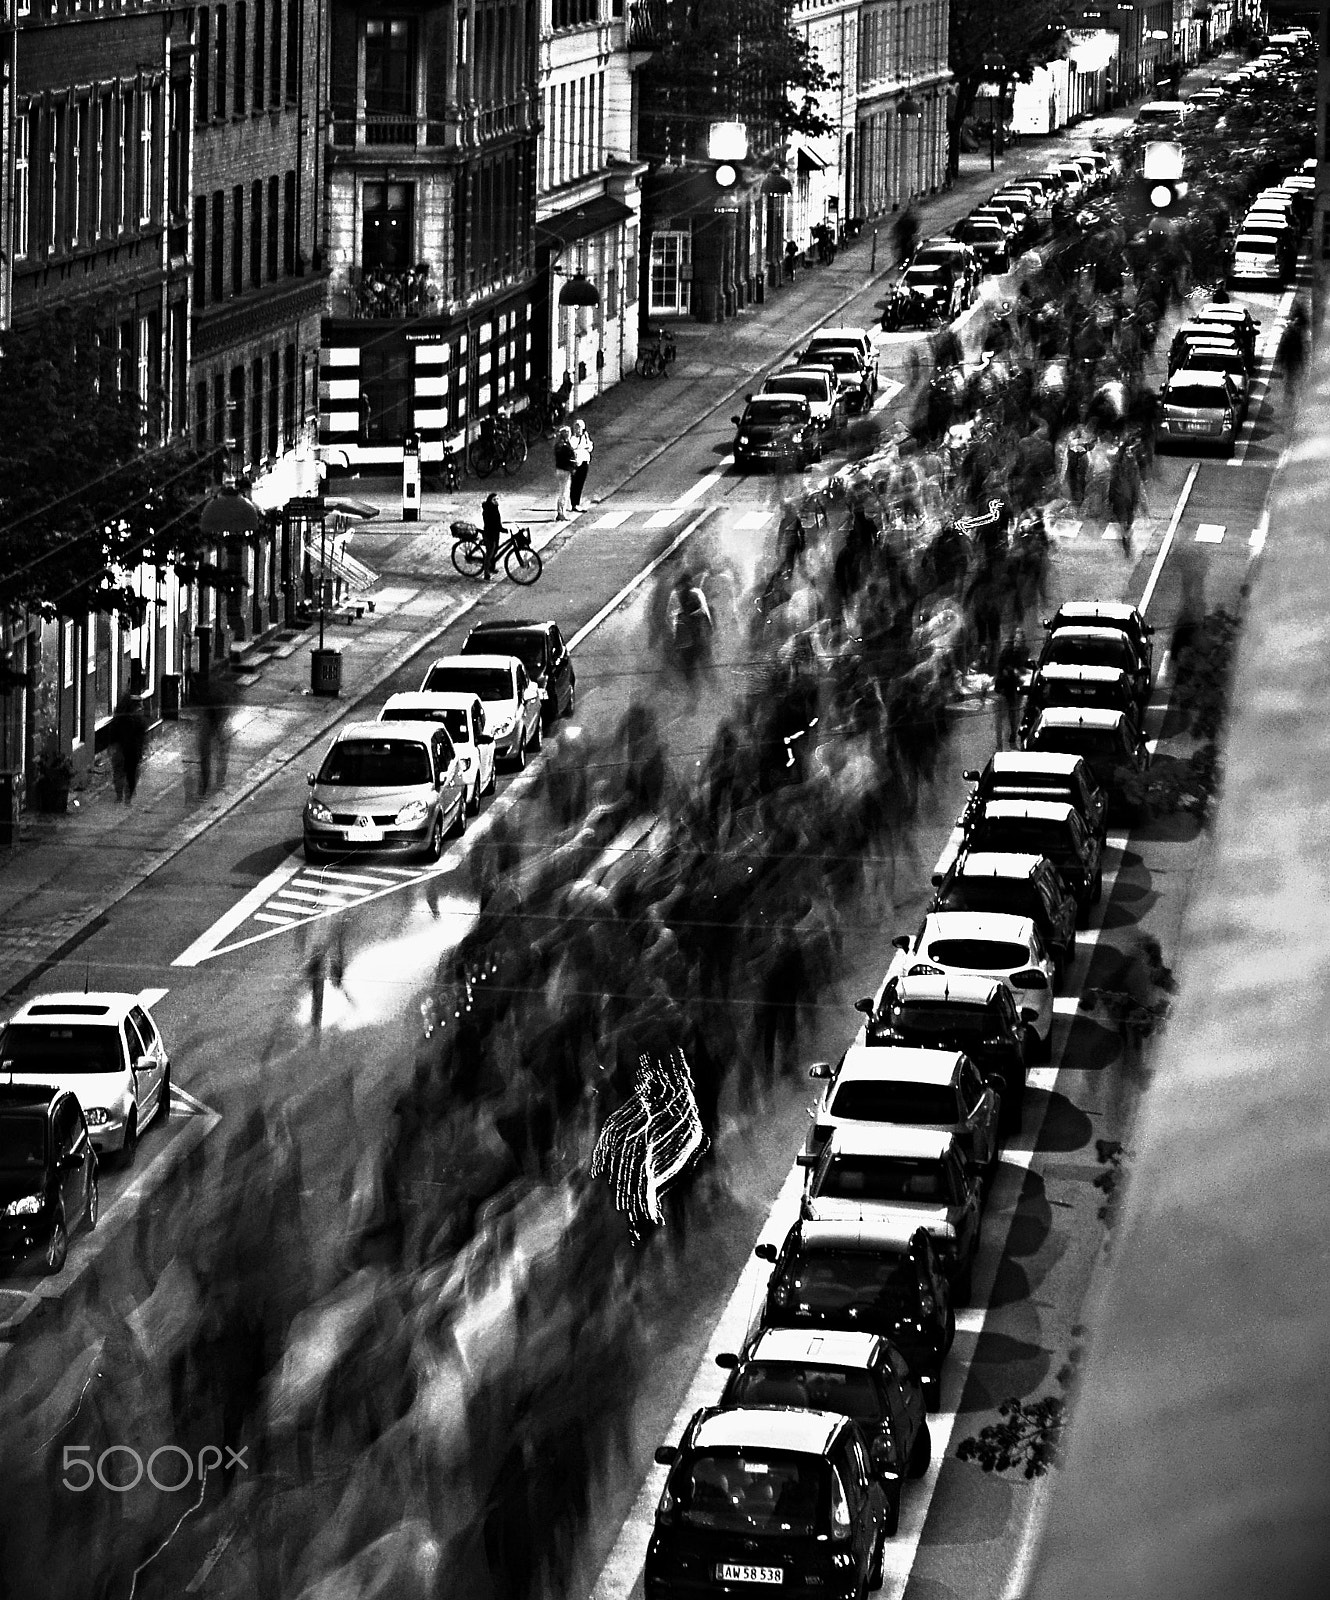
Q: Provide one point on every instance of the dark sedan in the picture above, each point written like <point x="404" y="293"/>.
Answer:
<point x="539" y="646"/>
<point x="776" y="430"/>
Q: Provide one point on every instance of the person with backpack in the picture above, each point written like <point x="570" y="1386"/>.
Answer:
<point x="564" y="462"/>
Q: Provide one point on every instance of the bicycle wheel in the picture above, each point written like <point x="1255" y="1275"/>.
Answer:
<point x="644" y="363"/>
<point x="523" y="565"/>
<point x="533" y="420"/>
<point x="514" y="454"/>
<point x="469" y="557"/>
<point x="482" y="459"/>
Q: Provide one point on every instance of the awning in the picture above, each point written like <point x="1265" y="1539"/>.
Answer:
<point x="808" y="158"/>
<point x="579" y="222"/>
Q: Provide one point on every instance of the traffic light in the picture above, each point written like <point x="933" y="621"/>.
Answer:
<point x="726" y="179"/>
<point x="1162" y="172"/>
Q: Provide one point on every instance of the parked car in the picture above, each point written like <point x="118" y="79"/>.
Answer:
<point x="105" y="1049"/>
<point x="1110" y="614"/>
<point x="1064" y="684"/>
<point x="1220" y="356"/>
<point x="853" y="374"/>
<point x="911" y="1176"/>
<point x="938" y="1089"/>
<point x="959" y="257"/>
<point x="937" y="285"/>
<point x="1198" y="408"/>
<point x="987" y="238"/>
<point x="1234" y="317"/>
<point x="989" y="944"/>
<point x="390" y="788"/>
<point x="819" y="387"/>
<point x="1020" y="884"/>
<point x="48" y="1174"/>
<point x="936" y="1010"/>
<point x="464" y="718"/>
<point x="857" y="338"/>
<point x="1109" y="742"/>
<point x="1206" y="333"/>
<point x="875" y="1277"/>
<point x="540" y="648"/>
<point x="512" y="703"/>
<point x="1043" y="828"/>
<point x="762" y="1496"/>
<point x="1037" y="775"/>
<point x="1097" y="644"/>
<point x="776" y="430"/>
<point x="859" y="1375"/>
<point x="1265" y="257"/>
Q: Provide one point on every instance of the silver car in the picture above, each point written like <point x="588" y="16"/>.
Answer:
<point x="385" y="788"/>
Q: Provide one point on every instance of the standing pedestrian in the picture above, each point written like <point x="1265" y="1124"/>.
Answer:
<point x="491" y="530"/>
<point x="582" y="448"/>
<point x="1007" y="683"/>
<point x="1292" y="348"/>
<point x="213" y="735"/>
<point x="564" y="462"/>
<point x="791" y="258"/>
<point x="128" y="734"/>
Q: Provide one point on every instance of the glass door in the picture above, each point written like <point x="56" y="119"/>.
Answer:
<point x="671" y="274"/>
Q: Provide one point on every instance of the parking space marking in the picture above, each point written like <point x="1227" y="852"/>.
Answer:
<point x="1209" y="532"/>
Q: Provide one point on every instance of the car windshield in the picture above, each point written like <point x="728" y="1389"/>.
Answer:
<point x="60" y="1047"/>
<point x="1213" y="360"/>
<point x="1018" y="835"/>
<point x="838" y="360"/>
<point x="785" y="1383"/>
<point x="756" y="1492"/>
<point x="486" y="683"/>
<point x="453" y="718"/>
<point x="848" y="1177"/>
<point x="1255" y="244"/>
<point x="1015" y="896"/>
<point x="917" y="1016"/>
<point x="763" y="413"/>
<point x="989" y="955"/>
<point x="810" y="387"/>
<point x="1110" y="651"/>
<point x="870" y="1100"/>
<point x="529" y="648"/>
<point x="1195" y="396"/>
<point x="1089" y="742"/>
<point x="834" y="1280"/>
<point x="924" y="277"/>
<point x="376" y="764"/>
<point x="22" y="1142"/>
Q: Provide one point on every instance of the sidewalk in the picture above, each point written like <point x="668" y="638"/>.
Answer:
<point x="68" y="871"/>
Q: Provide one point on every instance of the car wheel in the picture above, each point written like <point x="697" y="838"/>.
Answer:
<point x="93" y="1209"/>
<point x="473" y="800"/>
<point x="538" y="737"/>
<point x="434" y="849"/>
<point x="519" y="755"/>
<point x="922" y="1454"/>
<point x="129" y="1149"/>
<point x="890" y="1526"/>
<point x="164" y="1098"/>
<point x="493" y="784"/>
<point x="459" y="822"/>
<point x="57" y="1248"/>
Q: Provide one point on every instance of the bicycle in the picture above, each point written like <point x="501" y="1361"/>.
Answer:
<point x="545" y="412"/>
<point x="500" y="444"/>
<point x="651" y="362"/>
<point x="450" y="472"/>
<point x="521" y="562"/>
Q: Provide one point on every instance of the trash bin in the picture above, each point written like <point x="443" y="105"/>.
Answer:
<point x="8" y="810"/>
<point x="170" y="697"/>
<point x="325" y="671"/>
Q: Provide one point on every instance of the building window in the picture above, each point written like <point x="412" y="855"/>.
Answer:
<point x="289" y="396"/>
<point x="293" y="19"/>
<point x="106" y="167"/>
<point x="387" y="233"/>
<point x="274" y="405"/>
<point x="238" y="239"/>
<point x="242" y="59"/>
<point x="122" y="152"/>
<point x="389" y="67"/>
<point x="142" y="380"/>
<point x="78" y="134"/>
<point x="178" y="173"/>
<point x="201" y="55"/>
<point x="219" y="63"/>
<point x="218" y="244"/>
<point x="54" y="118"/>
<point x="274" y="225"/>
<point x="200" y="414"/>
<point x="260" y="50"/>
<point x="22" y="180"/>
<point x="200" y="250"/>
<point x="385" y="389"/>
<point x="256" y="234"/>
<point x="670" y="258"/>
<point x="275" y="57"/>
<point x="256" y="410"/>
<point x="143" y="170"/>
<point x="218" y="409"/>
<point x="630" y="270"/>
<point x="289" y="225"/>
<point x="235" y="418"/>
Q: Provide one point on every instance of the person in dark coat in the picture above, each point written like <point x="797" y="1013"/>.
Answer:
<point x="127" y="735"/>
<point x="1007" y="684"/>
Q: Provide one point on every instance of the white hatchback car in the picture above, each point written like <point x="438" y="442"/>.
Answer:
<point x="385" y="788"/>
<point x="105" y="1049"/>
<point x="464" y="718"/>
<point x="992" y="944"/>
<point x="502" y="685"/>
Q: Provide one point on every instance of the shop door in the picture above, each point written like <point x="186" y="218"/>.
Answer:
<point x="671" y="274"/>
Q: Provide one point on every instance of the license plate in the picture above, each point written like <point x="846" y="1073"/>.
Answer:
<point x="364" y="832"/>
<point x="728" y="1572"/>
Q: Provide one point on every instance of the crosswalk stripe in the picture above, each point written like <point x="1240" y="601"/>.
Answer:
<point x="662" y="519"/>
<point x="1209" y="532"/>
<point x="612" y="519"/>
<point x="281" y="922"/>
<point x="336" y="875"/>
<point x="301" y="899"/>
<point x="752" y="520"/>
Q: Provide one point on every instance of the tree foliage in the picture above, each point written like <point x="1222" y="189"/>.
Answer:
<point x="82" y="500"/>
<point x="729" y="60"/>
<point x="1029" y="1437"/>
<point x="1023" y="34"/>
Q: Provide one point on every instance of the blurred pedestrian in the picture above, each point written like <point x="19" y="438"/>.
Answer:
<point x="582" y="448"/>
<point x="791" y="258"/>
<point x="1007" y="683"/>
<point x="905" y="231"/>
<point x="127" y="735"/>
<point x="564" y="462"/>
<point x="1292" y="348"/>
<point x="213" y="732"/>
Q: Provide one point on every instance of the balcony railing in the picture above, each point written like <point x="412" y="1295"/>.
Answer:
<point x="389" y="128"/>
<point x="647" y="24"/>
<point x="386" y="295"/>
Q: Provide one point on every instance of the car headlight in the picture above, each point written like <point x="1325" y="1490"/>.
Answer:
<point x="316" y="811"/>
<point x="27" y="1205"/>
<point x="504" y="727"/>
<point x="97" y="1116"/>
<point x="412" y="812"/>
<point x="743" y="438"/>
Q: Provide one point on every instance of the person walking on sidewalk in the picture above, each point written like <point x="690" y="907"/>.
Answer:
<point x="791" y="258"/>
<point x="582" y="448"/>
<point x="564" y="462"/>
<point x="213" y="739"/>
<point x="127" y="736"/>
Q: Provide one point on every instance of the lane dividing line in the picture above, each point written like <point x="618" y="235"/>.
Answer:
<point x="1169" y="536"/>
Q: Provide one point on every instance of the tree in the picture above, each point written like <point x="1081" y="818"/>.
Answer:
<point x="729" y="61"/>
<point x="1019" y="34"/>
<point x="84" y="495"/>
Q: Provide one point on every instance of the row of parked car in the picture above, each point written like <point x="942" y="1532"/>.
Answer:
<point x="804" y="408"/>
<point x="1265" y="248"/>
<point x="400" y="785"/>
<point x="794" y="1478"/>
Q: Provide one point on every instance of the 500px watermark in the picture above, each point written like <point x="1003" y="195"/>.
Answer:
<point x="121" y="1468"/>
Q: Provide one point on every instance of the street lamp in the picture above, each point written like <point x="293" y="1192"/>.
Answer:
<point x="576" y="293"/>
<point x="995" y="62"/>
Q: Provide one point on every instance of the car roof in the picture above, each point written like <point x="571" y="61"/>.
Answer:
<point x="865" y="1062"/>
<point x="1091" y="632"/>
<point x="1198" y="330"/>
<point x="779" y="394"/>
<point x="403" y="729"/>
<point x="830" y="1347"/>
<point x="843" y="330"/>
<point x="768" y="1428"/>
<point x="1197" y="375"/>
<point x="970" y="988"/>
<point x="1227" y="348"/>
<point x="1053" y="763"/>
<point x="998" y="925"/>
<point x="999" y="863"/>
<point x="477" y="660"/>
<point x="103" y="1006"/>
<point x="1077" y="672"/>
<point x="1098" y="610"/>
<point x="424" y="699"/>
<point x="889" y="1139"/>
<point x="509" y="625"/>
<point x="825" y="374"/>
<point x="888" y="1235"/>
<point x="1028" y="810"/>
<point x="1080" y="717"/>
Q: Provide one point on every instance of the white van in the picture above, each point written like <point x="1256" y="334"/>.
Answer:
<point x="1162" y="114"/>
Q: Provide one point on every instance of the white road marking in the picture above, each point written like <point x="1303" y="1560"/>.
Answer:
<point x="282" y="922"/>
<point x="662" y="519"/>
<point x="1209" y="532"/>
<point x="189" y="1102"/>
<point x="230" y="920"/>
<point x="699" y="488"/>
<point x="636" y="582"/>
<point x="1265" y="361"/>
<point x="1169" y="536"/>
<point x="888" y="389"/>
<point x="148" y="998"/>
<point x="1258" y="534"/>
<point x="299" y="899"/>
<point x="1112" y="531"/>
<point x="335" y="875"/>
<point x="1067" y="530"/>
<point x="753" y="520"/>
<point x="612" y="519"/>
